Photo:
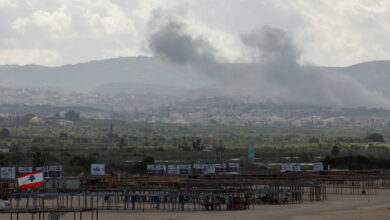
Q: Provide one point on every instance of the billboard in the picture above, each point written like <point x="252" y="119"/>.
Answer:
<point x="51" y="171"/>
<point x="291" y="166"/>
<point x="4" y="150"/>
<point x="24" y="170"/>
<point x="98" y="169"/>
<point x="7" y="172"/>
<point x="318" y="167"/>
<point x="197" y="168"/>
<point x="184" y="168"/>
<point x="155" y="169"/>
<point x="45" y="170"/>
<point x="55" y="171"/>
<point x="173" y="170"/>
<point x="220" y="167"/>
<point x="234" y="167"/>
<point x="209" y="168"/>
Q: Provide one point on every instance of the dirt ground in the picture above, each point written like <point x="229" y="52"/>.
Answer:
<point x="346" y="207"/>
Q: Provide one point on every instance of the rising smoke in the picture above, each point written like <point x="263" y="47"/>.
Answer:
<point x="172" y="43"/>
<point x="275" y="74"/>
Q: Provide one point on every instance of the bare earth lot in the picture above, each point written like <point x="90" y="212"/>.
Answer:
<point x="336" y="207"/>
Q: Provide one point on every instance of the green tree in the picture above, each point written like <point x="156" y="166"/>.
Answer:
<point x="139" y="167"/>
<point x="121" y="143"/>
<point x="110" y="133"/>
<point x="4" y="133"/>
<point x="16" y="157"/>
<point x="64" y="135"/>
<point x="111" y="129"/>
<point x="38" y="159"/>
<point x="82" y="161"/>
<point x="220" y="149"/>
<point x="303" y="157"/>
<point x="146" y="142"/>
<point x="314" y="140"/>
<point x="335" y="151"/>
<point x="196" y="145"/>
<point x="184" y="147"/>
<point x="3" y="160"/>
<point x="374" y="137"/>
<point x="213" y="121"/>
<point x="72" y="115"/>
<point x="148" y="160"/>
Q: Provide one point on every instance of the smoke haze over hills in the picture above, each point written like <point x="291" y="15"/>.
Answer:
<point x="360" y="85"/>
<point x="276" y="76"/>
<point x="183" y="65"/>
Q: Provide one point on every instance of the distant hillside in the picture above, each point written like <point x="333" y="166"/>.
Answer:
<point x="137" y="88"/>
<point x="148" y="75"/>
<point x="148" y="89"/>
<point x="42" y="110"/>
<point x="87" y="76"/>
<point x="58" y="97"/>
<point x="374" y="75"/>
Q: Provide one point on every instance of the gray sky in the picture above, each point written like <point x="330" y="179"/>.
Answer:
<point x="56" y="32"/>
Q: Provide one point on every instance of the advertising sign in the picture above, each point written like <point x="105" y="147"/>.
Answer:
<point x="4" y="150"/>
<point x="24" y="170"/>
<point x="7" y="173"/>
<point x="155" y="169"/>
<point x="45" y="170"/>
<point x="184" y="168"/>
<point x="197" y="168"/>
<point x="291" y="166"/>
<point x="318" y="167"/>
<point x="173" y="170"/>
<point x="98" y="169"/>
<point x="234" y="167"/>
<point x="55" y="171"/>
<point x="220" y="168"/>
<point x="209" y="168"/>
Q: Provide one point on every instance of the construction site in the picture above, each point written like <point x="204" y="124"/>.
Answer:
<point x="185" y="193"/>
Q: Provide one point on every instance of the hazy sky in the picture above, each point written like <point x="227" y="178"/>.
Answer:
<point x="55" y="32"/>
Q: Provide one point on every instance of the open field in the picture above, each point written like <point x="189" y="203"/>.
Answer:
<point x="123" y="144"/>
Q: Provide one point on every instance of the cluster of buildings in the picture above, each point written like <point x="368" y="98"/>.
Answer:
<point x="13" y="172"/>
<point x="342" y="121"/>
<point x="7" y="120"/>
<point x="242" y="119"/>
<point x="198" y="168"/>
<point x="293" y="167"/>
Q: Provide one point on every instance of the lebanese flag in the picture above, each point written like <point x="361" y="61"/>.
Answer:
<point x="31" y="180"/>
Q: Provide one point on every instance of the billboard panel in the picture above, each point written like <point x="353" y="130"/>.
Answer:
<point x="220" y="167"/>
<point x="4" y="150"/>
<point x="24" y="170"/>
<point x="197" y="168"/>
<point x="291" y="166"/>
<point x="209" y="168"/>
<point x="55" y="171"/>
<point x="234" y="167"/>
<point x="7" y="173"/>
<point x="173" y="169"/>
<point x="318" y="167"/>
<point x="98" y="169"/>
<point x="45" y="170"/>
<point x="155" y="169"/>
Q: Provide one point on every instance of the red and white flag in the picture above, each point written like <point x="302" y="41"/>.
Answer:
<point x="31" y="180"/>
